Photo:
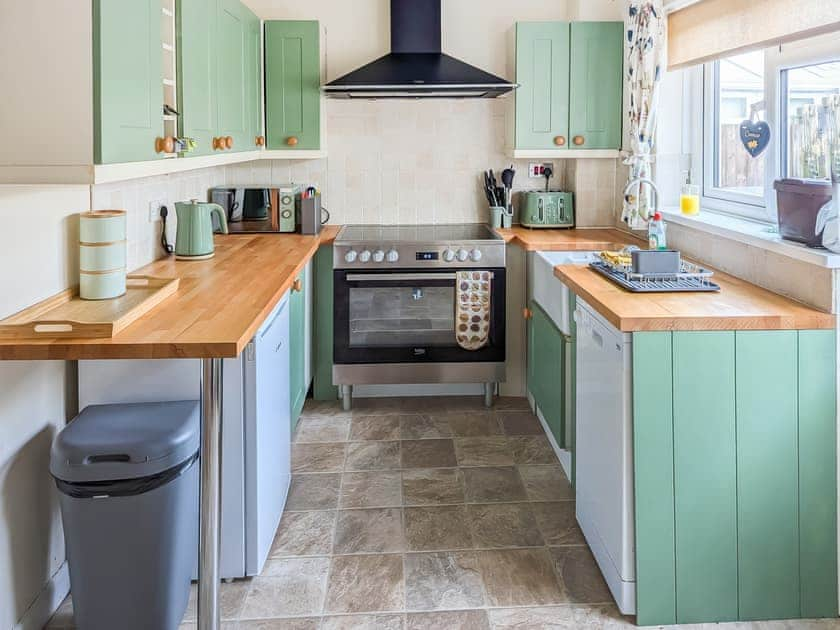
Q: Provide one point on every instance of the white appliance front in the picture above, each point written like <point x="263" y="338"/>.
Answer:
<point x="604" y="443"/>
<point x="256" y="441"/>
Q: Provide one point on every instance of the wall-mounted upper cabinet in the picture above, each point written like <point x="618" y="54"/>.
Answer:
<point x="218" y="75"/>
<point x="293" y="114"/>
<point x="570" y="94"/>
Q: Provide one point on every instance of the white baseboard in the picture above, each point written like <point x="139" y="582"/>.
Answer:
<point x="564" y="455"/>
<point x="48" y="601"/>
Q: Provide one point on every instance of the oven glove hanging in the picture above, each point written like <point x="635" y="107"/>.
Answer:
<point x="472" y="309"/>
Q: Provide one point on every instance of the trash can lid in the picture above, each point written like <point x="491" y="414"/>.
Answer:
<point x="125" y="441"/>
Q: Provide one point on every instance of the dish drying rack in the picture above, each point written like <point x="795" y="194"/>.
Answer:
<point x="691" y="278"/>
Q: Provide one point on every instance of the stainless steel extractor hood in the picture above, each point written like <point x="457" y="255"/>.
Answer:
<point x="416" y="67"/>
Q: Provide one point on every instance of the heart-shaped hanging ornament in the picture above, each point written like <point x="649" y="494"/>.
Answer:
<point x="755" y="134"/>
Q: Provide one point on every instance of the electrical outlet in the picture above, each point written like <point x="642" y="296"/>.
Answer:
<point x="154" y="209"/>
<point x="536" y="170"/>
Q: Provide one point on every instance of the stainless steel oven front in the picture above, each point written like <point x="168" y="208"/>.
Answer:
<point x="398" y="326"/>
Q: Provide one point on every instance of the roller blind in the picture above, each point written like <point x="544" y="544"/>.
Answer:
<point x="711" y="29"/>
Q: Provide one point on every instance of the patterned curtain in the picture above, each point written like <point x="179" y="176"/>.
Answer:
<point x="646" y="45"/>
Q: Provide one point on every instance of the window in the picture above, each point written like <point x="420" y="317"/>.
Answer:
<point x="788" y="87"/>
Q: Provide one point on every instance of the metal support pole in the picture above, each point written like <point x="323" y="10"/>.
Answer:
<point x="210" y="494"/>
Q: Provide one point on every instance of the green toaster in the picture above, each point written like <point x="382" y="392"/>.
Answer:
<point x="547" y="210"/>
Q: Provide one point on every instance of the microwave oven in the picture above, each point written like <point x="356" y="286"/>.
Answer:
<point x="259" y="209"/>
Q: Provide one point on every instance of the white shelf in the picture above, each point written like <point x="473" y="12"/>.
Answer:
<point x="568" y="154"/>
<point x="297" y="154"/>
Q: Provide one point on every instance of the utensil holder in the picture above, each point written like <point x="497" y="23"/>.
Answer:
<point x="498" y="214"/>
<point x="102" y="254"/>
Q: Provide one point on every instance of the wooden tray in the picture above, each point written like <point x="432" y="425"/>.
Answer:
<point x="67" y="315"/>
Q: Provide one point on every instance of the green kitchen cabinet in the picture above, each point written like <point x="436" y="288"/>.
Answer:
<point x="298" y="384"/>
<point x="542" y="70"/>
<point x="571" y="85"/>
<point x="127" y="80"/>
<point x="546" y="350"/>
<point x="197" y="75"/>
<point x="322" y="338"/>
<point x="253" y="78"/>
<point x="596" y="85"/>
<point x="231" y="67"/>
<point x="292" y="85"/>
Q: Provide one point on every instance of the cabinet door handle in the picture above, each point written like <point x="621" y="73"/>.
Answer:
<point x="279" y="345"/>
<point x="228" y="140"/>
<point x="218" y="143"/>
<point x="292" y="141"/>
<point x="527" y="313"/>
<point x="259" y="141"/>
<point x="165" y="145"/>
<point x="579" y="141"/>
<point x="560" y="141"/>
<point x="297" y="285"/>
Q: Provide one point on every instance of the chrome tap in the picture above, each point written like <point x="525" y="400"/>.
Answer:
<point x="645" y="180"/>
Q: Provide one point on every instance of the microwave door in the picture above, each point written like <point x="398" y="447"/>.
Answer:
<point x="237" y="205"/>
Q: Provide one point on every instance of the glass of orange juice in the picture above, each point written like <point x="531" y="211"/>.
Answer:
<point x="690" y="199"/>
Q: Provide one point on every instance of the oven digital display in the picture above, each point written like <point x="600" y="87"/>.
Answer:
<point x="428" y="256"/>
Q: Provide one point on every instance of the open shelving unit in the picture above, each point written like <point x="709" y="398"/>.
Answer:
<point x="169" y="60"/>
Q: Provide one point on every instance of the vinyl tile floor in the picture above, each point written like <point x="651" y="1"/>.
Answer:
<point x="426" y="514"/>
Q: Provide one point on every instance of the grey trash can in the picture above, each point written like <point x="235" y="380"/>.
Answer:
<point x="127" y="476"/>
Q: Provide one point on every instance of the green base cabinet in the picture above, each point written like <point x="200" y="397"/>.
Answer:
<point x="127" y="80"/>
<point x="735" y="475"/>
<point x="322" y="337"/>
<point x="292" y="85"/>
<point x="571" y="85"/>
<point x="546" y="348"/>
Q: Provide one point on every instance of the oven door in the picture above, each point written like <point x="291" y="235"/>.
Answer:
<point x="408" y="316"/>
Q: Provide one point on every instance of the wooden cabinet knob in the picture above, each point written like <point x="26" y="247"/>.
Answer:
<point x="560" y="141"/>
<point x="228" y="140"/>
<point x="526" y="313"/>
<point x="292" y="141"/>
<point x="259" y="141"/>
<point x="297" y="285"/>
<point x="165" y="145"/>
<point x="218" y="143"/>
<point x="579" y="141"/>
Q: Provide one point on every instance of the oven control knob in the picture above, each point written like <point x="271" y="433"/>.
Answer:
<point x="463" y="254"/>
<point x="475" y="255"/>
<point x="392" y="256"/>
<point x="351" y="256"/>
<point x="378" y="256"/>
<point x="364" y="256"/>
<point x="448" y="255"/>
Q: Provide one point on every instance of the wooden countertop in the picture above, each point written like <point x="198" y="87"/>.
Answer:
<point x="577" y="239"/>
<point x="739" y="306"/>
<point x="220" y="303"/>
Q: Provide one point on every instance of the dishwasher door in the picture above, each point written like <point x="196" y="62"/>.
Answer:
<point x="604" y="482"/>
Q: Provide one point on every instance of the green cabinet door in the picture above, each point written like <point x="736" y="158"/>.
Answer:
<point x="542" y="70"/>
<point x="596" y="85"/>
<point x="292" y="85"/>
<point x="322" y="338"/>
<point x="545" y="370"/>
<point x="297" y="349"/>
<point x="231" y="66"/>
<point x="127" y="81"/>
<point x="253" y="78"/>
<point x="197" y="74"/>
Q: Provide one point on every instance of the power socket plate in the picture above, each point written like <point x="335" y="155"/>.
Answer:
<point x="154" y="209"/>
<point x="536" y="170"/>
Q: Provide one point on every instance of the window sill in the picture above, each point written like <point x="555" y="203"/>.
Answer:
<point x="762" y="235"/>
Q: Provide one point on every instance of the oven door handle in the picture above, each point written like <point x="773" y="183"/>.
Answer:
<point x="399" y="277"/>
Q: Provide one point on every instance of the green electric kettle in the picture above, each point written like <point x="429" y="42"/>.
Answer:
<point x="194" y="233"/>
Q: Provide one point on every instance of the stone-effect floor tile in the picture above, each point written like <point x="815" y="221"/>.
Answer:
<point x="320" y="429"/>
<point x="579" y="575"/>
<point x="451" y="620"/>
<point x="566" y="618"/>
<point x="519" y="577"/>
<point x="304" y="534"/>
<point x="432" y="486"/>
<point x="301" y="623"/>
<point x="436" y="581"/>
<point x="324" y="409"/>
<point x="511" y="403"/>
<point x="483" y="451"/>
<point x="558" y="523"/>
<point x="437" y="528"/>
<point x="520" y="423"/>
<point x="428" y="454"/>
<point x="479" y="424"/>
<point x="546" y="483"/>
<point x="532" y="449"/>
<point x="379" y="406"/>
<point x="371" y="489"/>
<point x="504" y="525"/>
<point x="317" y="457"/>
<point x="363" y="622"/>
<point x="375" y="428"/>
<point x="373" y="530"/>
<point x="231" y="597"/>
<point x="373" y="456"/>
<point x="287" y="587"/>
<point x="423" y="427"/>
<point x="317" y="491"/>
<point x="365" y="584"/>
<point x="491" y="485"/>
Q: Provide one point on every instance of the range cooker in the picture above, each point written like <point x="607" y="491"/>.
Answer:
<point x="395" y="295"/>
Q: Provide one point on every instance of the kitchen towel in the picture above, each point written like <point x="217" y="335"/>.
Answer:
<point x="472" y="309"/>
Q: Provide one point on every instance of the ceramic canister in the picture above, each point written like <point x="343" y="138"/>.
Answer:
<point x="102" y="254"/>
